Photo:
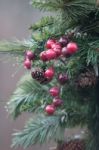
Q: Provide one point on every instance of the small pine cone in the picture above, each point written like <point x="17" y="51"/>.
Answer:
<point x="73" y="145"/>
<point x="87" y="79"/>
<point x="38" y="75"/>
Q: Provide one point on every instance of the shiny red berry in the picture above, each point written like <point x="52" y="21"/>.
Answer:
<point x="50" y="54"/>
<point x="27" y="64"/>
<point x="57" y="48"/>
<point x="30" y="55"/>
<point x="65" y="52"/>
<point x="49" y="43"/>
<point x="55" y="91"/>
<point x="57" y="102"/>
<point x="43" y="56"/>
<point x="56" y="45"/>
<point x="72" y="47"/>
<point x="57" y="51"/>
<point x="63" y="78"/>
<point x="49" y="73"/>
<point x="50" y="109"/>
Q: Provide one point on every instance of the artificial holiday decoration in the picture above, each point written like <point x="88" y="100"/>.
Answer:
<point x="43" y="56"/>
<point x="72" y="48"/>
<point x="64" y="40"/>
<point x="65" y="52"/>
<point x="56" y="45"/>
<point x="49" y="73"/>
<point x="61" y="85"/>
<point x="50" y="109"/>
<point x="57" y="50"/>
<point x="27" y="64"/>
<point x="86" y="79"/>
<point x="63" y="78"/>
<point x="50" y="54"/>
<point x="57" y="102"/>
<point x="73" y="145"/>
<point x="54" y="91"/>
<point x="38" y="75"/>
<point x="30" y="55"/>
<point x="49" y="43"/>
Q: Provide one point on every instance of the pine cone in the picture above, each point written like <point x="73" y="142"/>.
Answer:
<point x="38" y="75"/>
<point x="73" y="145"/>
<point x="87" y="79"/>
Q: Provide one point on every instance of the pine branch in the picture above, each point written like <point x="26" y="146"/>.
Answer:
<point x="56" y="5"/>
<point x="15" y="47"/>
<point x="45" y="128"/>
<point x="47" y="27"/>
<point x="71" y="10"/>
<point x="39" y="130"/>
<point x="44" y="22"/>
<point x="29" y="96"/>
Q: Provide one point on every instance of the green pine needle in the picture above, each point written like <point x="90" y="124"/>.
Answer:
<point x="44" y="22"/>
<point x="71" y="9"/>
<point x="39" y="130"/>
<point x="28" y="93"/>
<point x="15" y="47"/>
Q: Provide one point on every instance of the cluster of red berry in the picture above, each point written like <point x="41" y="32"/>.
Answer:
<point x="55" y="92"/>
<point x="29" y="57"/>
<point x="61" y="48"/>
<point x="54" y="50"/>
<point x="57" y="101"/>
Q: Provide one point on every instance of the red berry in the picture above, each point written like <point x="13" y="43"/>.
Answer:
<point x="62" y="78"/>
<point x="56" y="45"/>
<point x="43" y="56"/>
<point x="27" y="64"/>
<point x="54" y="91"/>
<point x="49" y="43"/>
<point x="72" y="47"/>
<point x="50" y="54"/>
<point x="30" y="55"/>
<point x="57" y="48"/>
<point x="63" y="41"/>
<point x="49" y="73"/>
<point x="65" y="52"/>
<point x="50" y="109"/>
<point x="57" y="51"/>
<point x="57" y="102"/>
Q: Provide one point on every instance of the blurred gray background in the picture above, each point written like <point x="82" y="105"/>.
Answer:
<point x="16" y="16"/>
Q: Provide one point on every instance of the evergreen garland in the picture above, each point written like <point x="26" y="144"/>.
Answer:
<point x="77" y="21"/>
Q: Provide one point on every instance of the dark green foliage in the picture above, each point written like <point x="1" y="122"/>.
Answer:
<point x="90" y="23"/>
<point x="93" y="120"/>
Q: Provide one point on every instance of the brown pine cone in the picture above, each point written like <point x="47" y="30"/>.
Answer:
<point x="73" y="145"/>
<point x="87" y="79"/>
<point x="38" y="75"/>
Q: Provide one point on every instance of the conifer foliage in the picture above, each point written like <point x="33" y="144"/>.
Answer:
<point x="62" y="83"/>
